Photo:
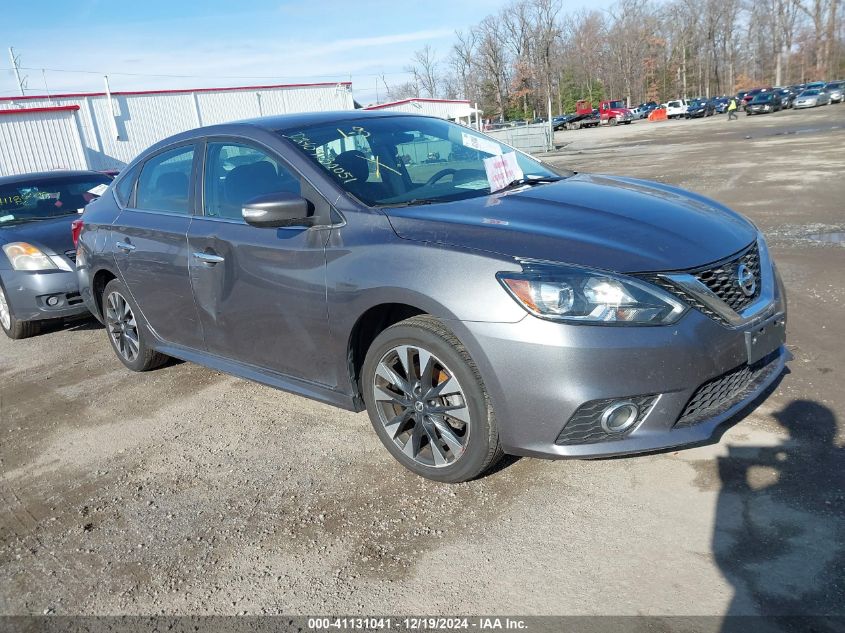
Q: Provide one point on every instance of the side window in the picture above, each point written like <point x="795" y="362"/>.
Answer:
<point x="165" y="181"/>
<point x="123" y="188"/>
<point x="234" y="174"/>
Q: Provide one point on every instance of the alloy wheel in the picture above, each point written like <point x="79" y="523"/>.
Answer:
<point x="421" y="405"/>
<point x="5" y="311"/>
<point x="122" y="326"/>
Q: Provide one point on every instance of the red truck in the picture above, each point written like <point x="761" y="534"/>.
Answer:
<point x="613" y="112"/>
<point x="609" y="113"/>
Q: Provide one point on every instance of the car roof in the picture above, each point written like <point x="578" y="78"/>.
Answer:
<point x="49" y="175"/>
<point x="302" y="119"/>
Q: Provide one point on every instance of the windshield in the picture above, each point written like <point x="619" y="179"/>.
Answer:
<point x="408" y="159"/>
<point x="762" y="98"/>
<point x="41" y="199"/>
<point x="616" y="104"/>
<point x="809" y="93"/>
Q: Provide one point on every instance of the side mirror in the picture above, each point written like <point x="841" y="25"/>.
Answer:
<point x="274" y="210"/>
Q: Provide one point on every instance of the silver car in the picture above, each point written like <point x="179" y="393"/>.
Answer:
<point x="811" y="98"/>
<point x="472" y="299"/>
<point x="836" y="90"/>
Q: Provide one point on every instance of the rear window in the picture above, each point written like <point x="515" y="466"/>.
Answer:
<point x="42" y="199"/>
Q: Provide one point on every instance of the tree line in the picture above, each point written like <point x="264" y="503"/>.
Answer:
<point x="513" y="62"/>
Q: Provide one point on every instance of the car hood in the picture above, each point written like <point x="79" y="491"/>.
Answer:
<point x="53" y="234"/>
<point x="609" y="222"/>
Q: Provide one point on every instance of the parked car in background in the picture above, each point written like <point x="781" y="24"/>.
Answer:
<point x="836" y="90"/>
<point x="764" y="103"/>
<point x="787" y="96"/>
<point x="720" y="105"/>
<point x="639" y="113"/>
<point x="37" y="278"/>
<point x="746" y="99"/>
<point x="699" y="108"/>
<point x="675" y="108"/>
<point x="811" y="98"/>
<point x="296" y="251"/>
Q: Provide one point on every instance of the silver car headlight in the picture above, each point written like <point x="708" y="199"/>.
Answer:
<point x="581" y="295"/>
<point x="24" y="256"/>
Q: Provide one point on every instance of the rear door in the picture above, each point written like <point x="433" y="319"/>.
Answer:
<point x="150" y="242"/>
<point x="260" y="292"/>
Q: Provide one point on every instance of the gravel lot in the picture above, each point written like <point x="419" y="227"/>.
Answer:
<point x="186" y="491"/>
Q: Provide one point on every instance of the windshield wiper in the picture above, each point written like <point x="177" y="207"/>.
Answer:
<point x="529" y="180"/>
<point x="410" y="203"/>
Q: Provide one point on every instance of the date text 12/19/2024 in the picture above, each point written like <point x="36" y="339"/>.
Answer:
<point x="416" y="624"/>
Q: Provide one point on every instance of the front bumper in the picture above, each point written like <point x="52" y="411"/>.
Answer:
<point x="28" y="294"/>
<point x="540" y="373"/>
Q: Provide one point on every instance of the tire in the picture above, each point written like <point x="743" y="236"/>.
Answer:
<point x="613" y="121"/>
<point x="127" y="334"/>
<point x="465" y="439"/>
<point x="13" y="327"/>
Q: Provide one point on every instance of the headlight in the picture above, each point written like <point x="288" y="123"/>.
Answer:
<point x="580" y="295"/>
<point x="25" y="256"/>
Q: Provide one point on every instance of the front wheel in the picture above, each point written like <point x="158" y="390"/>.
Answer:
<point x="427" y="402"/>
<point x="127" y="335"/>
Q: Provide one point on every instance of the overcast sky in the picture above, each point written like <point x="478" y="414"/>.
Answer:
<point x="216" y="43"/>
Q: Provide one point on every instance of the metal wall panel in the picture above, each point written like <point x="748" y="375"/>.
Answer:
<point x="140" y="120"/>
<point x="40" y="141"/>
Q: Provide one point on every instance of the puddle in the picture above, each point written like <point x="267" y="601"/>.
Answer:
<point x="831" y="237"/>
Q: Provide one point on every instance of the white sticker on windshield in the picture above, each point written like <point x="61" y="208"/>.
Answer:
<point x="502" y="170"/>
<point x="7" y="218"/>
<point x="99" y="190"/>
<point x="481" y="144"/>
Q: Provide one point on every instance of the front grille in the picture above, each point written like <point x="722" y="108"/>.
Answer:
<point x="71" y="255"/>
<point x="722" y="279"/>
<point x="585" y="424"/>
<point x="720" y="394"/>
<point x="73" y="298"/>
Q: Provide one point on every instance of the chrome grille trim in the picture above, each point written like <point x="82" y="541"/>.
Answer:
<point x="693" y="291"/>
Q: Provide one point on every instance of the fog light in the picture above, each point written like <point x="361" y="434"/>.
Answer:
<point x="53" y="301"/>
<point x="619" y="417"/>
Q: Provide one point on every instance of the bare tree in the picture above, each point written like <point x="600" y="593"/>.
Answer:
<point x="424" y="68"/>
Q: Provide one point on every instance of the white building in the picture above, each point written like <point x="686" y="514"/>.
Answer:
<point x="452" y="109"/>
<point x="107" y="130"/>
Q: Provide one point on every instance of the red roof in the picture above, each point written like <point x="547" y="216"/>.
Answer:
<point x="67" y="108"/>
<point x="393" y="103"/>
<point x="74" y="95"/>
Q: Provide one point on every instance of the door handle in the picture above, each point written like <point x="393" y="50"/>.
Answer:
<point x="209" y="258"/>
<point x="126" y="247"/>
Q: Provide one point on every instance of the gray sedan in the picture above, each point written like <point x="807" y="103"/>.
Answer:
<point x="37" y="279"/>
<point x="811" y="99"/>
<point x="472" y="299"/>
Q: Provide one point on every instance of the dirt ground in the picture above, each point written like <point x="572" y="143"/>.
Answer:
<point x="185" y="491"/>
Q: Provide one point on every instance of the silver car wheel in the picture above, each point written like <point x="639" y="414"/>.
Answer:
<point x="5" y="312"/>
<point x="422" y="406"/>
<point x="122" y="326"/>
